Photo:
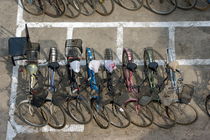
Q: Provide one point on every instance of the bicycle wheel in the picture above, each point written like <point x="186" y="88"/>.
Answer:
<point x="104" y="7"/>
<point x="185" y="113"/>
<point x="100" y="115"/>
<point x="118" y="115"/>
<point x="79" y="111"/>
<point x="202" y="5"/>
<point x="162" y="118"/>
<point x="56" y="115"/>
<point x="31" y="115"/>
<point x="185" y="4"/>
<point x="73" y="8"/>
<point x="207" y="105"/>
<point x="131" y="5"/>
<point x="54" y="8"/>
<point x="140" y="116"/>
<point x="88" y="7"/>
<point x="162" y="7"/>
<point x="34" y="7"/>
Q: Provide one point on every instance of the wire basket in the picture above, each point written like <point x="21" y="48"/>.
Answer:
<point x="186" y="93"/>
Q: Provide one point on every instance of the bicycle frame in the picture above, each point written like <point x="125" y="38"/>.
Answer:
<point x="91" y="73"/>
<point x="129" y="74"/>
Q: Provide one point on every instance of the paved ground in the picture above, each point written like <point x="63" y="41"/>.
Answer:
<point x="190" y="43"/>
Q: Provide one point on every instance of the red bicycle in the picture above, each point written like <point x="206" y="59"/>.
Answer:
<point x="137" y="108"/>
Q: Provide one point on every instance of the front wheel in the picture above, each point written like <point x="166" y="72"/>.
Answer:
<point x="32" y="115"/>
<point x="119" y="117"/>
<point x="185" y="113"/>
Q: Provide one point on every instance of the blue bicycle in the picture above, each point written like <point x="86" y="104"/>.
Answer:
<point x="99" y="109"/>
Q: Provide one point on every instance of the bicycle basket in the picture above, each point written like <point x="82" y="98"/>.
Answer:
<point x="39" y="97"/>
<point x="58" y="99"/>
<point x="186" y="94"/>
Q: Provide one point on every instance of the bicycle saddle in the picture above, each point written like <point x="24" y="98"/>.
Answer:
<point x="153" y="66"/>
<point x="54" y="65"/>
<point x="131" y="66"/>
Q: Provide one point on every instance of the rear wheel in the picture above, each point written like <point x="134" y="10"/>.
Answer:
<point x="163" y="117"/>
<point x="105" y="7"/>
<point x="79" y="111"/>
<point x="54" y="8"/>
<point x="88" y="7"/>
<point x="56" y="115"/>
<point x="162" y="7"/>
<point x="100" y="115"/>
<point x="185" y="4"/>
<point x="32" y="115"/>
<point x="131" y="5"/>
<point x="73" y="8"/>
<point x="34" y="7"/>
<point x="202" y="5"/>
<point x="140" y="115"/>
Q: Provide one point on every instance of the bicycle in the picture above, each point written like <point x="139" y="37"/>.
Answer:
<point x="57" y="115"/>
<point x="100" y="113"/>
<point x="31" y="110"/>
<point x="77" y="105"/>
<point x="184" y="112"/>
<point x="140" y="114"/>
<point x="165" y="117"/>
<point x="119" y="117"/>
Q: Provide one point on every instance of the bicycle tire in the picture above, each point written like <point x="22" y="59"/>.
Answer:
<point x="118" y="115"/>
<point x="207" y="105"/>
<point x="56" y="115"/>
<point x="141" y="115"/>
<point x="54" y="8"/>
<point x="164" y="117"/>
<point x="73" y="8"/>
<point x="82" y="109"/>
<point x="160" y="11"/>
<point x="185" y="114"/>
<point x="202" y="5"/>
<point x="100" y="112"/>
<point x="88" y="7"/>
<point x="187" y="4"/>
<point x="136" y="5"/>
<point x="104" y="11"/>
<point x="37" y="4"/>
<point x="38" y="114"/>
